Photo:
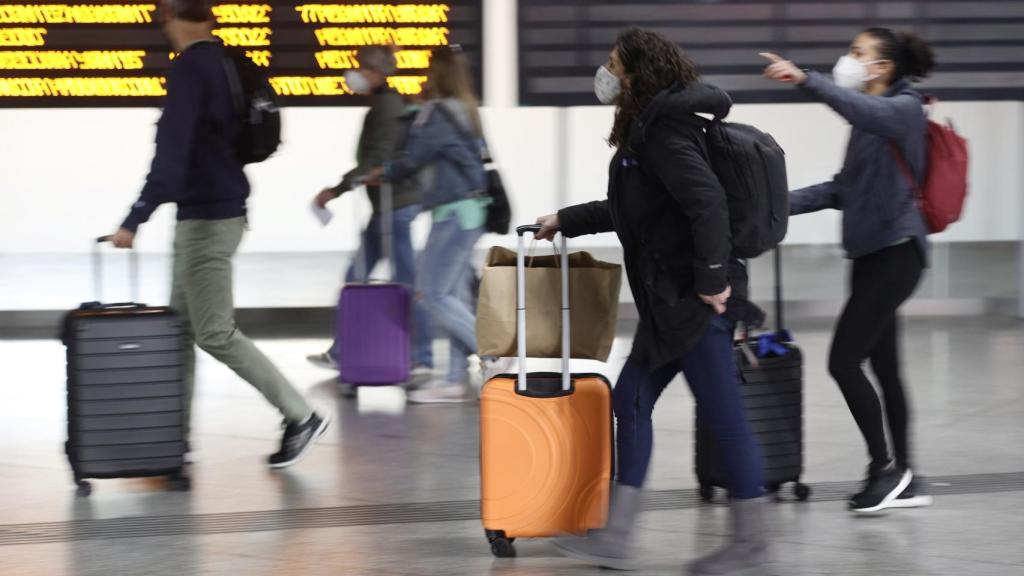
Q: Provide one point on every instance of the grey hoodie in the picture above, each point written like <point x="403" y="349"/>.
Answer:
<point x="878" y="203"/>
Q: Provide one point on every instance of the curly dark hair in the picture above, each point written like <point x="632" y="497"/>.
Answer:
<point x="653" y="63"/>
<point x="913" y="57"/>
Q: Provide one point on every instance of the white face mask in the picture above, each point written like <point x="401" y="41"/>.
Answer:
<point x="607" y="86"/>
<point x="852" y="73"/>
<point x="357" y="82"/>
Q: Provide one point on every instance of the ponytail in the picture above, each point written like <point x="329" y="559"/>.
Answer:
<point x="913" y="58"/>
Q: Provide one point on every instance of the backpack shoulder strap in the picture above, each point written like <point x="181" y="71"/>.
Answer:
<point x="927" y="103"/>
<point x="908" y="174"/>
<point x="234" y="77"/>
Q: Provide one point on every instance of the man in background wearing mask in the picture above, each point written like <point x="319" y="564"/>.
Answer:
<point x="380" y="142"/>
<point x="195" y="166"/>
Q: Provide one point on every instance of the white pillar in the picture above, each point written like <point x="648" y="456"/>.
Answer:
<point x="1020" y="243"/>
<point x="501" y="53"/>
<point x="1020" y="191"/>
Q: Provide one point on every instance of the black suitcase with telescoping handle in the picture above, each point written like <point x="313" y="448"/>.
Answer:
<point x="771" y="369"/>
<point x="125" y="391"/>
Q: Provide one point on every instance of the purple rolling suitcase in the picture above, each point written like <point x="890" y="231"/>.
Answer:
<point x="374" y="321"/>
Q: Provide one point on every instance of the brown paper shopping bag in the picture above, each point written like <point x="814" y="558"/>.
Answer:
<point x="593" y="301"/>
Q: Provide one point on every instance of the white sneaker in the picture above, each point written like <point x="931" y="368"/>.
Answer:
<point x="419" y="376"/>
<point x="323" y="360"/>
<point x="492" y="367"/>
<point x="445" y="393"/>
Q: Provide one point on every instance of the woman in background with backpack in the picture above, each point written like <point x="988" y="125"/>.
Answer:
<point x="670" y="213"/>
<point x="444" y="143"/>
<point x="884" y="233"/>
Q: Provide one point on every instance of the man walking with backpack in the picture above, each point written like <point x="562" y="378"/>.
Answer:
<point x="196" y="166"/>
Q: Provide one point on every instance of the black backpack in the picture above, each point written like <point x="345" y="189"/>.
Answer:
<point x="751" y="166"/>
<point x="499" y="211"/>
<point x="259" y="117"/>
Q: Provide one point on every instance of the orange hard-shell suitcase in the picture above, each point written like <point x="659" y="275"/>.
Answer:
<point x="545" y="443"/>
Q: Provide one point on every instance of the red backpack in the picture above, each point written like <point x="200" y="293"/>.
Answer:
<point x="942" y="196"/>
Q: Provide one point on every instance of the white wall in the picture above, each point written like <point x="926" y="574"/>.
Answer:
<point x="68" y="175"/>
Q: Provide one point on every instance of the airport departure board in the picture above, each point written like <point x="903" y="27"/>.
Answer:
<point x="979" y="43"/>
<point x="112" y="53"/>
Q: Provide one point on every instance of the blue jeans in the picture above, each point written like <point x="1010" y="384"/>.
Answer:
<point x="444" y="285"/>
<point x="711" y="372"/>
<point x="372" y="251"/>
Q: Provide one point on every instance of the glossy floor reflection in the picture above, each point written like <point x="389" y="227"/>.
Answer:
<point x="325" y="515"/>
<point x="814" y="273"/>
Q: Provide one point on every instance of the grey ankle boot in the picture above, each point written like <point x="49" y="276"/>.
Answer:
<point x="612" y="546"/>
<point x="747" y="554"/>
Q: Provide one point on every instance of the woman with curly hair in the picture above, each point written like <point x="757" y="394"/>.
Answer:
<point x="669" y="212"/>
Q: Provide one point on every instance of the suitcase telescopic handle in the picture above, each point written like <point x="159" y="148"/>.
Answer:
<point x="387" y="234"/>
<point x="97" y="270"/>
<point x="521" y="231"/>
<point x="780" y="320"/>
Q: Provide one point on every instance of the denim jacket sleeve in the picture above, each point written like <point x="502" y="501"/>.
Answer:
<point x="891" y="117"/>
<point x="430" y="138"/>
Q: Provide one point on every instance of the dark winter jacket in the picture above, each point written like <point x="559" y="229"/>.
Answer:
<point x="670" y="214"/>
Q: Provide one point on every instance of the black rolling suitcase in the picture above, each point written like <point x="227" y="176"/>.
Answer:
<point x="771" y="368"/>
<point x="125" y="391"/>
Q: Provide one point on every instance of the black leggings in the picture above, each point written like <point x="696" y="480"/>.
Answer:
<point x="869" y="329"/>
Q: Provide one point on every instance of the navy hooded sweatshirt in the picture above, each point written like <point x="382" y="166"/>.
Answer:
<point x="195" y="165"/>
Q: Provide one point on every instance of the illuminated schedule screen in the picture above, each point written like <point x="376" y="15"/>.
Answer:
<point x="60" y="54"/>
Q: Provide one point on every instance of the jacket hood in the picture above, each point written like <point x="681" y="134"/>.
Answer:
<point x="697" y="98"/>
<point x="903" y="86"/>
<point x="683" y="102"/>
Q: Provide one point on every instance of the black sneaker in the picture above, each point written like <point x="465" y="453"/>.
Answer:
<point x="881" y="490"/>
<point x="297" y="440"/>
<point x="914" y="496"/>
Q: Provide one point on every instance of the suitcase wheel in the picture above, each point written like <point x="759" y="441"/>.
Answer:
<point x="501" y="546"/>
<point x="84" y="489"/>
<point x="179" y="482"/>
<point x="707" y="493"/>
<point x="802" y="491"/>
<point x="348" y="391"/>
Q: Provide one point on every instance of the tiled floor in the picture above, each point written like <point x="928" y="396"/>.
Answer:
<point x="324" y="517"/>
